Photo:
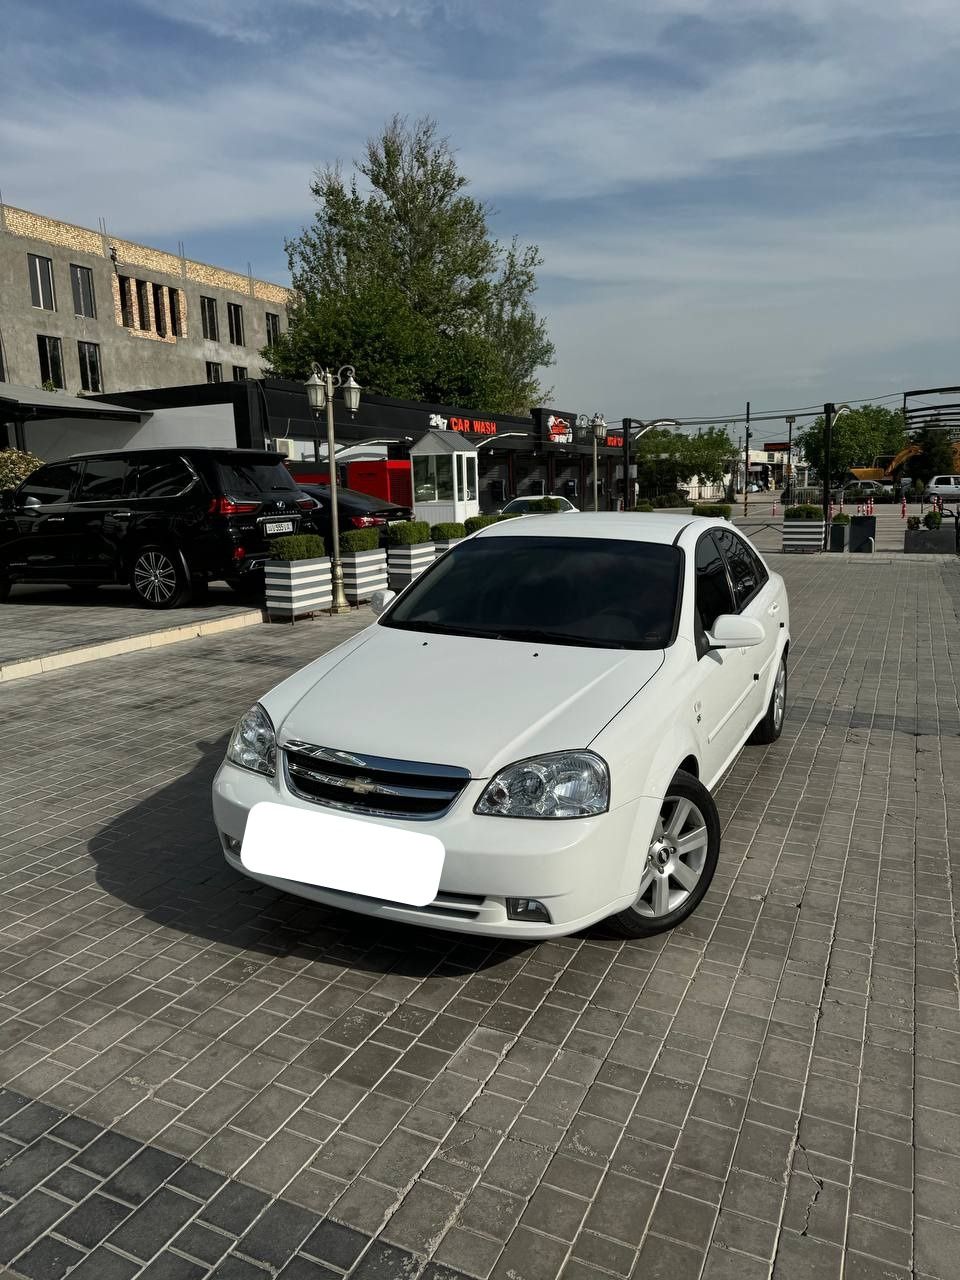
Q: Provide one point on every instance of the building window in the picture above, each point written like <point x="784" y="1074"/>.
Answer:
<point x="273" y="328"/>
<point x="51" y="361"/>
<point x="214" y="371"/>
<point x="208" y="319"/>
<point x="235" y="321"/>
<point x="41" y="282"/>
<point x="90" y="375"/>
<point x="84" y="302"/>
<point x="143" y="303"/>
<point x="173" y="298"/>
<point x="239" y="372"/>
<point x="126" y="300"/>
<point x="159" y="317"/>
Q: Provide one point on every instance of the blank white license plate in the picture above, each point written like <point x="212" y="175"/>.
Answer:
<point x="279" y="526"/>
<point x="331" y="852"/>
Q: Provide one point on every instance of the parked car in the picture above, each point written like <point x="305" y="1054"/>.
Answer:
<point x="354" y="510"/>
<point x="752" y="488"/>
<point x="166" y="521"/>
<point x="528" y="505"/>
<point x="865" y="489"/>
<point x="945" y="487"/>
<point x="634" y="656"/>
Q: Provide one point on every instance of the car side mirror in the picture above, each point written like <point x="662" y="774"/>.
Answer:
<point x="380" y="601"/>
<point x="733" y="631"/>
<point x="30" y="503"/>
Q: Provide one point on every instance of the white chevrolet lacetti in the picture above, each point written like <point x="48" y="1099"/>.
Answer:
<point x="526" y="739"/>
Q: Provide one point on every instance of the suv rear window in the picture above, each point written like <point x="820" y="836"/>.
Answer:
<point x="251" y="479"/>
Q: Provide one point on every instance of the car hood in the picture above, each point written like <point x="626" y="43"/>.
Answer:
<point x="456" y="700"/>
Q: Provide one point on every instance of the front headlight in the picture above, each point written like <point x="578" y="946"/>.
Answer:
<point x="253" y="743"/>
<point x="569" y="784"/>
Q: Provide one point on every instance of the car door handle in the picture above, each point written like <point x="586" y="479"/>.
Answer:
<point x="774" y="608"/>
<point x="51" y="519"/>
<point x="123" y="515"/>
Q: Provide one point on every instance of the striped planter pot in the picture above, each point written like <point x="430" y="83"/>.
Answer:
<point x="803" y="535"/>
<point x="408" y="562"/>
<point x="294" y="588"/>
<point x="444" y="544"/>
<point x="364" y="572"/>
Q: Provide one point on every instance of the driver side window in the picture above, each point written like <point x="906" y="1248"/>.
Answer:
<point x="713" y="594"/>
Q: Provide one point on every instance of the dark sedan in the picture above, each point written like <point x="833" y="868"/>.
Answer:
<point x="355" y="510"/>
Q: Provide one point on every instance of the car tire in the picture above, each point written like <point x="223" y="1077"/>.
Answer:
<point x="4" y="588"/>
<point x="771" y="726"/>
<point x="667" y="895"/>
<point x="158" y="579"/>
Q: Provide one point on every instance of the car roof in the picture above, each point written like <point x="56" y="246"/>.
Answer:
<point x="633" y="526"/>
<point x="537" y="497"/>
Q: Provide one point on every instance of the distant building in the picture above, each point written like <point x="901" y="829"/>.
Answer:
<point x="88" y="312"/>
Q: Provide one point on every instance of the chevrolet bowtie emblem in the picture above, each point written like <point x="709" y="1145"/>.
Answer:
<point x="362" y="786"/>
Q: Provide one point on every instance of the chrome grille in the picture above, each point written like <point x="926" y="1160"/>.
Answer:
<point x="371" y="784"/>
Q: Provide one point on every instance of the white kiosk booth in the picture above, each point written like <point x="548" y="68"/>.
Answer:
<point x="444" y="478"/>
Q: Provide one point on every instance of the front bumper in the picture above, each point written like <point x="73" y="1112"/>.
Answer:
<point x="582" y="870"/>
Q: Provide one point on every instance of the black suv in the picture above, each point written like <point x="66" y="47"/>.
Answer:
<point x="166" y="521"/>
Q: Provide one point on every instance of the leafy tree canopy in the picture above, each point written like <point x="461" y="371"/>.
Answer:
<point x="937" y="456"/>
<point x="667" y="460"/>
<point x="859" y="436"/>
<point x="399" y="276"/>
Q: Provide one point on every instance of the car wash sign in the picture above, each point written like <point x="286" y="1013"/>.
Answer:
<point x="557" y="430"/>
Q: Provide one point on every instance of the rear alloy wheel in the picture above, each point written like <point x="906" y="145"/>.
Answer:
<point x="680" y="862"/>
<point x="771" y="726"/>
<point x="158" y="579"/>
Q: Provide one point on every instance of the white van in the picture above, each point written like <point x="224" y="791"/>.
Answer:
<point x="945" y="487"/>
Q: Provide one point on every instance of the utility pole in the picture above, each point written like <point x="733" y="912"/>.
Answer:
<point x="829" y="412"/>
<point x="791" y="419"/>
<point x="746" y="459"/>
<point x="628" y="499"/>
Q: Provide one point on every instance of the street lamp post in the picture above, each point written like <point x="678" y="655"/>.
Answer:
<point x="831" y="412"/>
<point x="599" y="426"/>
<point x="790" y="420"/>
<point x="320" y="388"/>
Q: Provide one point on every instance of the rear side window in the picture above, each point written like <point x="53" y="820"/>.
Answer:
<point x="746" y="572"/>
<point x="51" y="484"/>
<point x="252" y="479"/>
<point x="163" y="478"/>
<point x="104" y="478"/>
<point x="713" y="587"/>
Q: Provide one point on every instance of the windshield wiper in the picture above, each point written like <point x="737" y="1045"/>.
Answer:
<point x="540" y="636"/>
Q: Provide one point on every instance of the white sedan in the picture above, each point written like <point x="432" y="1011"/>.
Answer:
<point x="526" y="740"/>
<point x="531" y="505"/>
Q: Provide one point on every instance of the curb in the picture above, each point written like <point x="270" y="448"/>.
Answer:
<point x="23" y="667"/>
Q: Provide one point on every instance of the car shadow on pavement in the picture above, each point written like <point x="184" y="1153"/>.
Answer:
<point x="162" y="858"/>
<point x="110" y="596"/>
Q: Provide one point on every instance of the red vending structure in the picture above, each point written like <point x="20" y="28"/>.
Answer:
<point x="381" y="478"/>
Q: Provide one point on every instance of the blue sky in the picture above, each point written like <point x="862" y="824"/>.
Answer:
<point x="735" y="198"/>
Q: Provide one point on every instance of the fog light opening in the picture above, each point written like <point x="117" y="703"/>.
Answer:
<point x="232" y="845"/>
<point x="530" y="909"/>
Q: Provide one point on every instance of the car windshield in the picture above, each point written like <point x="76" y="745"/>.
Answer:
<point x="249" y="479"/>
<point x="599" y="592"/>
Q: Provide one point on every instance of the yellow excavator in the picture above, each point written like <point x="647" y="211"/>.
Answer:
<point x="888" y="467"/>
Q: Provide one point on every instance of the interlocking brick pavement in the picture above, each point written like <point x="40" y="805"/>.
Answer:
<point x="203" y="1077"/>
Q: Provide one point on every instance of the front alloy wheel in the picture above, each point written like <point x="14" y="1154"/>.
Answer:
<point x="680" y="861"/>
<point x="771" y="726"/>
<point x="158" y="579"/>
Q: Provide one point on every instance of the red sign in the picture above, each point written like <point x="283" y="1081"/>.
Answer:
<point x="780" y="447"/>
<point x="474" y="426"/>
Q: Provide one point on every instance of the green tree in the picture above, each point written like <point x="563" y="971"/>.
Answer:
<point x="667" y="460"/>
<point x="399" y="276"/>
<point x="937" y="456"/>
<point x="859" y="435"/>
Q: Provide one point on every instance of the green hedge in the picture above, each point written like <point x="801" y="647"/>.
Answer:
<point x="805" y="511"/>
<point x="544" y="506"/>
<point x="671" y="500"/>
<point x="407" y="533"/>
<point x="643" y="506"/>
<point x="913" y="523"/>
<point x="355" y="540"/>
<point x="932" y="520"/>
<point x="448" y="531"/>
<point x="715" y="510"/>
<point x="298" y="546"/>
<point x="480" y="522"/>
<point x="841" y="518"/>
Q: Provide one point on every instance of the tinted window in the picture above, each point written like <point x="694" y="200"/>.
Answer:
<point x="746" y="572"/>
<point x="713" y="588"/>
<point x="254" y="478"/>
<point x="162" y="478"/>
<point x="604" y="593"/>
<point x="51" y="484"/>
<point x="103" y="478"/>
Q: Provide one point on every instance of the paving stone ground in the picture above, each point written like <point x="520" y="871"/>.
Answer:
<point x="199" y="1076"/>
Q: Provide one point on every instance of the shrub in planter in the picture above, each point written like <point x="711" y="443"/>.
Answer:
<point x="364" y="564"/>
<point x="805" y="511"/>
<point x="298" y="546"/>
<point x="840" y="532"/>
<point x="407" y="533"/>
<point x="473" y="523"/>
<point x="932" y="520"/>
<point x="841" y="518"/>
<point x="545" y="506"/>
<point x="913" y="523"/>
<point x="715" y="510"/>
<point x="643" y="506"/>
<point x="16" y="465"/>
<point x="296" y="579"/>
<point x="450" y="531"/>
